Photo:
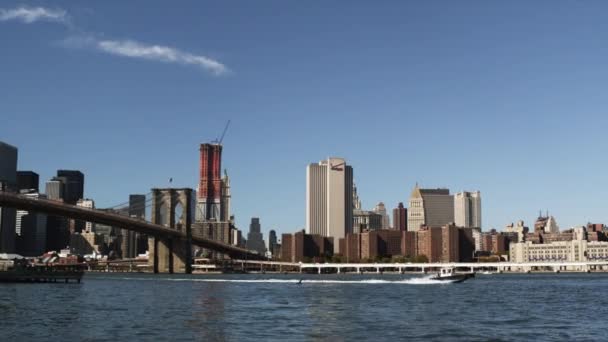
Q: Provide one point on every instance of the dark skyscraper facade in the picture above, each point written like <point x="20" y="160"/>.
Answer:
<point x="210" y="183"/>
<point x="255" y="239"/>
<point x="400" y="217"/>
<point x="28" y="180"/>
<point x="8" y="181"/>
<point x="73" y="185"/>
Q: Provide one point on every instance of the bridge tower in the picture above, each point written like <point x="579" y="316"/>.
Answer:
<point x="171" y="208"/>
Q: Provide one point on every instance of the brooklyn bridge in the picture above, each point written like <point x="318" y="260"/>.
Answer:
<point x="171" y="232"/>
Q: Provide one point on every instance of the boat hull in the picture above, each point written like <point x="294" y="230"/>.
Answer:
<point x="455" y="278"/>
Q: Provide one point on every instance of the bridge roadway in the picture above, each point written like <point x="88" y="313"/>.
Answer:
<point x="50" y="207"/>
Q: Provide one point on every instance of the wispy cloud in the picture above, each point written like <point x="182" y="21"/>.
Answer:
<point x="124" y="48"/>
<point x="30" y="15"/>
<point x="133" y="49"/>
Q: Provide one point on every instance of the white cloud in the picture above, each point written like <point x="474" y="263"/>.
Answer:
<point x="133" y="49"/>
<point x="30" y="15"/>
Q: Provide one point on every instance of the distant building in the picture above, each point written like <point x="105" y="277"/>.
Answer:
<point x="380" y="209"/>
<point x="400" y="217"/>
<point x="54" y="189"/>
<point x="272" y="243"/>
<point x="520" y="229"/>
<point x="430" y="207"/>
<point x="438" y="244"/>
<point x="79" y="225"/>
<point x="546" y="224"/>
<point x="31" y="230"/>
<point x="28" y="181"/>
<point x="300" y="247"/>
<point x="575" y="250"/>
<point x="8" y="182"/>
<point x="209" y="190"/>
<point x="73" y="185"/>
<point x="366" y="220"/>
<point x="329" y="198"/>
<point x="467" y="209"/>
<point x="255" y="239"/>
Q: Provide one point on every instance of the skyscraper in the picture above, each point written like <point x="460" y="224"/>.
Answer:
<point x="210" y="182"/>
<point x="400" y="217"/>
<point x="28" y="181"/>
<point x="255" y="239"/>
<point x="8" y="182"/>
<point x="430" y="207"/>
<point x="467" y="209"/>
<point x="73" y="185"/>
<point x="31" y="230"/>
<point x="329" y="199"/>
<point x="380" y="209"/>
<point x="272" y="243"/>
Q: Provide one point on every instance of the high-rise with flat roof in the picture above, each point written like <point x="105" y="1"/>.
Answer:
<point x="430" y="207"/>
<point x="8" y="182"/>
<point x="329" y="199"/>
<point x="400" y="217"/>
<point x="467" y="209"/>
<point x="73" y="185"/>
<point x="28" y="181"/>
<point x="380" y="209"/>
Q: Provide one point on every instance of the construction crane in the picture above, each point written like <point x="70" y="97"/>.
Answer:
<point x="219" y="141"/>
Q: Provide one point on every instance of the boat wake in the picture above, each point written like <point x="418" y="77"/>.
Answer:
<point x="411" y="281"/>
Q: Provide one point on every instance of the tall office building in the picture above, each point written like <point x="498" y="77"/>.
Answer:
<point x="329" y="199"/>
<point x="255" y="239"/>
<point x="380" y="209"/>
<point x="73" y="185"/>
<point x="31" y="230"/>
<point x="57" y="233"/>
<point x="272" y="243"/>
<point x="430" y="207"/>
<point x="467" y="209"/>
<point x="210" y="183"/>
<point x="54" y="189"/>
<point x="400" y="217"/>
<point x="8" y="182"/>
<point x="225" y="198"/>
<point x="28" y="181"/>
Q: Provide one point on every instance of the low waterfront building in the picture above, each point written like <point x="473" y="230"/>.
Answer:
<point x="578" y="248"/>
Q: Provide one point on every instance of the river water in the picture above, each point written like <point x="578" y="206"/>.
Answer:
<point x="136" y="307"/>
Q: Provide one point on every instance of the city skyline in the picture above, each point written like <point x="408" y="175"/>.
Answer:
<point x="522" y="96"/>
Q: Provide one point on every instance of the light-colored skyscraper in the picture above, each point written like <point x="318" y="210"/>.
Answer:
<point x="429" y="207"/>
<point x="329" y="199"/>
<point x="380" y="209"/>
<point x="467" y="209"/>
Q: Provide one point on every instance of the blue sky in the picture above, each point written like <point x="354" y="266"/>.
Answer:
<point x="508" y="98"/>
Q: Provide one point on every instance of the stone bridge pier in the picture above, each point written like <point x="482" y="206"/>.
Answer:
<point x="172" y="208"/>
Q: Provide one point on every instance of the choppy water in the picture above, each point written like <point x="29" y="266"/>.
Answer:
<point x="118" y="307"/>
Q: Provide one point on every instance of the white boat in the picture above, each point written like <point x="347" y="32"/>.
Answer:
<point x="486" y="273"/>
<point x="448" y="275"/>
